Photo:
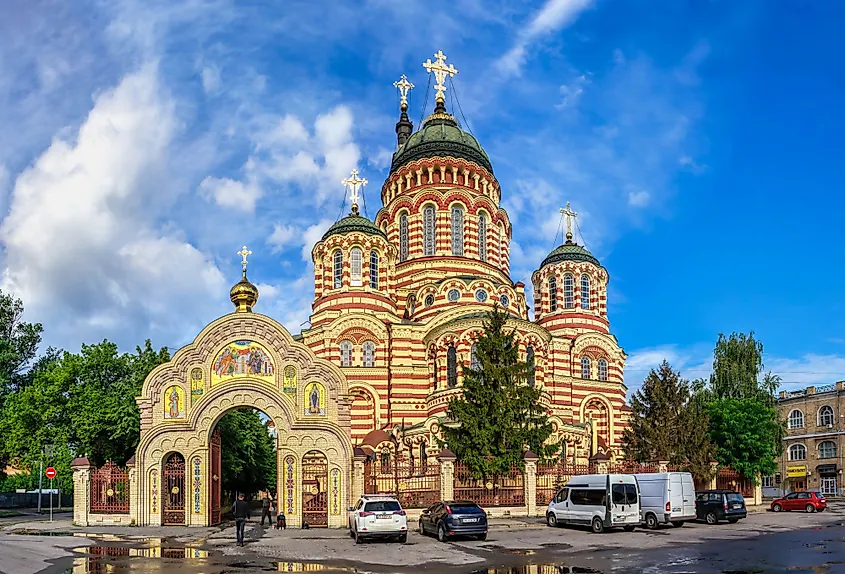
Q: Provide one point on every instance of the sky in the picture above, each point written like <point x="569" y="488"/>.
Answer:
<point x="144" y="143"/>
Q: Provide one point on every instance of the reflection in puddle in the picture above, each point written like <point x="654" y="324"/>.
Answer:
<point x="538" y="569"/>
<point x="308" y="567"/>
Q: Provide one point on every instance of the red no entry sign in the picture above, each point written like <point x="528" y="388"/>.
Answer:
<point x="51" y="473"/>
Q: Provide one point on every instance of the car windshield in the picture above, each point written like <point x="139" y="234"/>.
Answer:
<point x="624" y="494"/>
<point x="465" y="508"/>
<point x="734" y="497"/>
<point x="382" y="506"/>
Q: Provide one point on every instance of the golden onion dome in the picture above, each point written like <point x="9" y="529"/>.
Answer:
<point x="244" y="295"/>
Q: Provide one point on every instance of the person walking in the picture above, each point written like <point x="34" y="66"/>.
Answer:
<point x="266" y="509"/>
<point x="240" y="510"/>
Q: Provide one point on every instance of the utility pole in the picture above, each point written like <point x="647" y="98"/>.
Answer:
<point x="46" y="450"/>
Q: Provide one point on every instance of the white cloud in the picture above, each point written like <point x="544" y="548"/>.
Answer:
<point x="230" y="193"/>
<point x="283" y="236"/>
<point x="210" y="79"/>
<point x="381" y="159"/>
<point x="572" y="92"/>
<point x="554" y="15"/>
<point x="639" y="198"/>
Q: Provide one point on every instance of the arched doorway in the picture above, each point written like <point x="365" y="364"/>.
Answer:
<point x="315" y="489"/>
<point x="216" y="479"/>
<point x="173" y="495"/>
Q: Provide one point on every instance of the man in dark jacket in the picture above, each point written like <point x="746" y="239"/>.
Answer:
<point x="240" y="510"/>
<point x="266" y="505"/>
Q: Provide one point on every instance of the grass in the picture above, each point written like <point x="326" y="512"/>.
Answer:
<point x="10" y="513"/>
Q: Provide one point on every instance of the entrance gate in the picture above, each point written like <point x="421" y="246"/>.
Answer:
<point x="174" y="490"/>
<point x="216" y="479"/>
<point x="315" y="492"/>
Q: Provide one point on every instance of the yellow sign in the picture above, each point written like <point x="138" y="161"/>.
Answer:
<point x="796" y="471"/>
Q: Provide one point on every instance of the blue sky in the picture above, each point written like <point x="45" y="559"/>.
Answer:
<point x="700" y="142"/>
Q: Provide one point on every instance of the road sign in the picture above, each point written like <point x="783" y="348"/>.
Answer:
<point x="50" y="473"/>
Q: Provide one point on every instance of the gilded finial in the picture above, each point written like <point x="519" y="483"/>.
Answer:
<point x="244" y="295"/>
<point x="244" y="253"/>
<point x="404" y="87"/>
<point x="570" y="216"/>
<point x="440" y="71"/>
<point x="353" y="185"/>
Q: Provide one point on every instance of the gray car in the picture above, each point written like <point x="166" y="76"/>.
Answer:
<point x="448" y="519"/>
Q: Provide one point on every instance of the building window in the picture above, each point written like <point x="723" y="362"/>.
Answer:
<point x="552" y="294"/>
<point x="568" y="291"/>
<point x="403" y="237"/>
<point x="529" y="360"/>
<point x="797" y="452"/>
<point x="452" y="366"/>
<point x="827" y="449"/>
<point x="385" y="462"/>
<point x="453" y="295"/>
<point x="355" y="267"/>
<point x="482" y="237"/>
<point x="345" y="354"/>
<point x="369" y="352"/>
<point x="825" y="416"/>
<point x="602" y="370"/>
<point x="337" y="267"/>
<point x="429" y="300"/>
<point x="473" y="357"/>
<point x="796" y="419"/>
<point x="585" y="291"/>
<point x="411" y="304"/>
<point x="585" y="367"/>
<point x="428" y="230"/>
<point x="768" y="481"/>
<point x="423" y="457"/>
<point x="373" y="270"/>
<point x="434" y="372"/>
<point x="457" y="230"/>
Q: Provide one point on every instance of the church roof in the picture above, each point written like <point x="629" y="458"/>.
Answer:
<point x="353" y="222"/>
<point x="570" y="251"/>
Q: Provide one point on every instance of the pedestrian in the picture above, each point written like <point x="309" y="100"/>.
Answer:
<point x="266" y="509"/>
<point x="240" y="510"/>
<point x="281" y="521"/>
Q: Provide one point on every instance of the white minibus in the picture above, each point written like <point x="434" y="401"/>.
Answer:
<point x="666" y="497"/>
<point x="599" y="501"/>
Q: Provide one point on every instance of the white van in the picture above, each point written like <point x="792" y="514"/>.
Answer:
<point x="597" y="500"/>
<point x="666" y="497"/>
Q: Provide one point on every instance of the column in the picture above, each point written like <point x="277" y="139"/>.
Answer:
<point x="530" y="482"/>
<point x="447" y="474"/>
<point x="662" y="466"/>
<point x="134" y="492"/>
<point x="714" y="472"/>
<point x="81" y="468"/>
<point x="357" y="486"/>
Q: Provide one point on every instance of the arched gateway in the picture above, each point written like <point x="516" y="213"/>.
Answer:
<point x="243" y="360"/>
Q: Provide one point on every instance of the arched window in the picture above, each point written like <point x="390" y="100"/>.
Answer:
<point x="585" y="367"/>
<point x="373" y="270"/>
<point x="797" y="452"/>
<point x="345" y="354"/>
<point x="411" y="304"/>
<point x="602" y="370"/>
<point x="568" y="291"/>
<point x="385" y="462"/>
<point x="452" y="366"/>
<point x="563" y="452"/>
<point x="482" y="237"/>
<point x="355" y="267"/>
<point x="423" y="457"/>
<point x="337" y="268"/>
<point x="827" y="449"/>
<point x="457" y="230"/>
<point x="585" y="291"/>
<point x="369" y="352"/>
<point x="428" y="230"/>
<point x="403" y="237"/>
<point x="552" y="294"/>
<point x="473" y="357"/>
<point x="796" y="419"/>
<point x="501" y="245"/>
<point x="434" y="372"/>
<point x="825" y="416"/>
<point x="529" y="360"/>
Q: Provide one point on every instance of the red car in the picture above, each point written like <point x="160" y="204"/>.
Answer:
<point x="806" y="501"/>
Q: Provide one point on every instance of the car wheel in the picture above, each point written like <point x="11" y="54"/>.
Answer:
<point x="810" y="508"/>
<point x="421" y="528"/>
<point x="482" y="537"/>
<point x="733" y="520"/>
<point x="677" y="523"/>
<point x="597" y="525"/>
<point x="651" y="522"/>
<point x="403" y="538"/>
<point x="777" y="508"/>
<point x="441" y="533"/>
<point x="551" y="519"/>
<point x="711" y="518"/>
<point x="628" y="528"/>
<point x="358" y="538"/>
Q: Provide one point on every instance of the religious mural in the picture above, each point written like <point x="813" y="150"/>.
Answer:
<point x="242" y="359"/>
<point x="315" y="399"/>
<point x="196" y="382"/>
<point x="290" y="379"/>
<point x="174" y="403"/>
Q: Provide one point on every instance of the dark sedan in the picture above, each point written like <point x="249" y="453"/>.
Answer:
<point x="455" y="518"/>
<point x="712" y="506"/>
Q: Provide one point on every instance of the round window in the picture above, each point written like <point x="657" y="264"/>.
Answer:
<point x="481" y="295"/>
<point x="454" y="295"/>
<point x="429" y="300"/>
<point x="504" y="300"/>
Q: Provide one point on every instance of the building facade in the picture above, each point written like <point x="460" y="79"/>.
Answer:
<point x="812" y="457"/>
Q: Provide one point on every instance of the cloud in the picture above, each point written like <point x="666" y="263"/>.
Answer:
<point x="210" y="79"/>
<point x="572" y="92"/>
<point x="638" y="198"/>
<point x="230" y="193"/>
<point x="283" y="236"/>
<point x="553" y="16"/>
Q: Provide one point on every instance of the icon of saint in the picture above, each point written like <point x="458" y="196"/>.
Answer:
<point x="174" y="404"/>
<point x="314" y="400"/>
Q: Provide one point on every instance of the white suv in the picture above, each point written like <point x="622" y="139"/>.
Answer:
<point x="378" y="516"/>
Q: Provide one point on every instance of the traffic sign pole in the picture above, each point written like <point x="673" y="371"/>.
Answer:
<point x="51" y="500"/>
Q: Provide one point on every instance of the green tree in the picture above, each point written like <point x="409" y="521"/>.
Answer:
<point x="498" y="414"/>
<point x="744" y="433"/>
<point x="737" y="370"/>
<point x="248" y="453"/>
<point x="19" y="342"/>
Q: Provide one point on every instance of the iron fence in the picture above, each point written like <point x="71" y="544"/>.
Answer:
<point x="415" y="484"/>
<point x="632" y="467"/>
<point x="110" y="489"/>
<point x="503" y="490"/>
<point x="552" y="476"/>
<point x="729" y="479"/>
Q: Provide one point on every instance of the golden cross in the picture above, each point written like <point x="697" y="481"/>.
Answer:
<point x="404" y="87"/>
<point x="353" y="183"/>
<point x="440" y="70"/>
<point x="570" y="217"/>
<point x="244" y="253"/>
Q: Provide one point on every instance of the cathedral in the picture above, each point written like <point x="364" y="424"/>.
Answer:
<point x="400" y="300"/>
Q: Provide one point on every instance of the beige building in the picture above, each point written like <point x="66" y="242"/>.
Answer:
<point x="812" y="457"/>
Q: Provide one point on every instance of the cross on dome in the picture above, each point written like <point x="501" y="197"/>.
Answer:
<point x="353" y="184"/>
<point x="570" y="216"/>
<point x="440" y="71"/>
<point x="404" y="87"/>
<point x="244" y="253"/>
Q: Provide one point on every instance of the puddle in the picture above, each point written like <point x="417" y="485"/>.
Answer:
<point x="538" y="569"/>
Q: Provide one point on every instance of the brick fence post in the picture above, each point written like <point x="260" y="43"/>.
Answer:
<point x="81" y="468"/>
<point x="662" y="466"/>
<point x="714" y="472"/>
<point x="357" y="490"/>
<point x="529" y="482"/>
<point x="447" y="474"/>
<point x="134" y="494"/>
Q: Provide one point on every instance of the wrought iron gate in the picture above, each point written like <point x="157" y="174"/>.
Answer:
<point x="216" y="482"/>
<point x="315" y="494"/>
<point x="174" y="490"/>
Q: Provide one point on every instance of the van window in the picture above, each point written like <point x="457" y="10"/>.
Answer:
<point x="702" y="497"/>
<point x="715" y="497"/>
<point x="561" y="496"/>
<point x="624" y="494"/>
<point x="588" y="497"/>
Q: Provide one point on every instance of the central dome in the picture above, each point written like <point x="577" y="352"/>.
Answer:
<point x="353" y="222"/>
<point x="440" y="136"/>
<point x="570" y="251"/>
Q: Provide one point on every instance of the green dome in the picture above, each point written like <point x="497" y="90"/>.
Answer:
<point x="353" y="222"/>
<point x="439" y="136"/>
<point x="570" y="251"/>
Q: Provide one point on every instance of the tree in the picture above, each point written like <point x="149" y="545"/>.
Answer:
<point x="248" y="453"/>
<point x="498" y="414"/>
<point x="745" y="432"/>
<point x="737" y="366"/>
<point x="18" y="344"/>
